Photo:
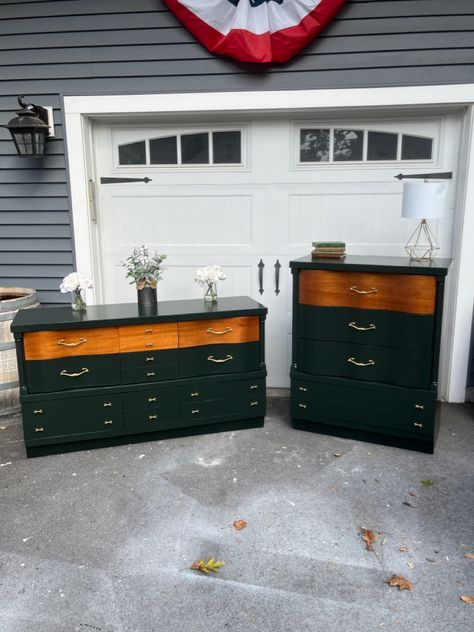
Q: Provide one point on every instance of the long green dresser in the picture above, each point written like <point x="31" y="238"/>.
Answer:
<point x="366" y="340"/>
<point x="113" y="374"/>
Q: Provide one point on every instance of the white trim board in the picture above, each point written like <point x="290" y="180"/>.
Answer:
<point x="79" y="109"/>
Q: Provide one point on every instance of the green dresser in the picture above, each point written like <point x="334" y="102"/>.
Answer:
<point x="112" y="374"/>
<point x="366" y="338"/>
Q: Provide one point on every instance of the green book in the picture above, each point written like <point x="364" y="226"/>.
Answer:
<point x="329" y="244"/>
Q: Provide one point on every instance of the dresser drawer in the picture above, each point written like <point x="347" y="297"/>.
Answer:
<point x="215" y="390"/>
<point x="147" y="358"/>
<point x="53" y="409"/>
<point x="152" y="397"/>
<point x="374" y="327"/>
<point x="210" y="360"/>
<point x="219" y="331"/>
<point x="63" y="343"/>
<point x="365" y="362"/>
<point x="151" y="419"/>
<point x="148" y="337"/>
<point x="71" y="373"/>
<point x="73" y="428"/>
<point x="368" y="290"/>
<point x="239" y="406"/>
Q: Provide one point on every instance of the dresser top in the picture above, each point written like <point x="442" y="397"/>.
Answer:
<point x="48" y="318"/>
<point x="372" y="263"/>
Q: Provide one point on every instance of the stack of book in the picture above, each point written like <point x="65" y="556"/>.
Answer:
<point x="328" y="250"/>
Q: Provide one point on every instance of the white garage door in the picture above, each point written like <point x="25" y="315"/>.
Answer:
<point x="252" y="195"/>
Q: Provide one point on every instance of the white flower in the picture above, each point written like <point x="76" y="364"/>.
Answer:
<point x="209" y="274"/>
<point x="75" y="281"/>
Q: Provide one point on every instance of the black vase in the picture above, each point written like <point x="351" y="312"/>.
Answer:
<point x="147" y="297"/>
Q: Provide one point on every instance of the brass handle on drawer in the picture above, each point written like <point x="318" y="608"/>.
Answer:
<point x="195" y="394"/>
<point x="302" y="388"/>
<point x="420" y="406"/>
<point x="108" y="422"/>
<point x="303" y="405"/>
<point x="219" y="333"/>
<point x="253" y="386"/>
<point x="417" y="425"/>
<point x="72" y="344"/>
<point x="354" y="326"/>
<point x="66" y="374"/>
<point x="107" y="404"/>
<point x="152" y="399"/>
<point x="150" y="359"/>
<point x="152" y="417"/>
<point x="195" y="411"/>
<point x="40" y="429"/>
<point x="226" y="359"/>
<point x="148" y="344"/>
<point x="353" y="361"/>
<point x="148" y="331"/>
<point x="150" y="374"/>
<point x="354" y="289"/>
<point x="38" y="411"/>
<point x="253" y="403"/>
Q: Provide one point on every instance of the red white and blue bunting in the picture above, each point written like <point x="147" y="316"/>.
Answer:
<point x="262" y="31"/>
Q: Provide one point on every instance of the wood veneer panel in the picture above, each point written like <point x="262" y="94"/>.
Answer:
<point x="47" y="345"/>
<point x="397" y="292"/>
<point x="148" y="337"/>
<point x="241" y="329"/>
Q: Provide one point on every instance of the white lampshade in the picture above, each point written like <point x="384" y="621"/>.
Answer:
<point x="424" y="200"/>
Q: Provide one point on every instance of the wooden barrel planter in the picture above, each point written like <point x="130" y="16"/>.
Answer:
<point x="11" y="300"/>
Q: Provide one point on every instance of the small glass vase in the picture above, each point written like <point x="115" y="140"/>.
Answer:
<point x="210" y="295"/>
<point x="78" y="302"/>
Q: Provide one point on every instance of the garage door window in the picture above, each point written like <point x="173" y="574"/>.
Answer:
<point x="323" y="145"/>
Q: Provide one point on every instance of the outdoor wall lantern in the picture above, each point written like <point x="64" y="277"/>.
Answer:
<point x="424" y="200"/>
<point x="30" y="128"/>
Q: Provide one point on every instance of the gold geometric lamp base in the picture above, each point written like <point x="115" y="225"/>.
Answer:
<point x="422" y="245"/>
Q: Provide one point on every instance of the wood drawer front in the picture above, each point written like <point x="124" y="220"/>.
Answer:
<point x="148" y="358"/>
<point x="221" y="359"/>
<point x="151" y="373"/>
<point x="148" y="337"/>
<point x="365" y="362"/>
<point x="374" y="327"/>
<point x="397" y="292"/>
<point x="73" y="428"/>
<point x="152" y="397"/>
<point x="71" y="373"/>
<point x="150" y="419"/>
<point x="219" y="331"/>
<point x="47" y="345"/>
<point x="238" y="406"/>
<point x="61" y="409"/>
<point x="216" y="390"/>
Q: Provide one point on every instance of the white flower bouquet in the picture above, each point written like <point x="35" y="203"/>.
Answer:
<point x="143" y="268"/>
<point x="76" y="282"/>
<point x="208" y="277"/>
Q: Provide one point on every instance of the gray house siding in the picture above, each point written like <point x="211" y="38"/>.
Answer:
<point x="51" y="48"/>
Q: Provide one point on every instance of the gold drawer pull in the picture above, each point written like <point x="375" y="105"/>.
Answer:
<point x="150" y="359"/>
<point x="253" y="387"/>
<point x="152" y="399"/>
<point x="195" y="394"/>
<point x="107" y="404"/>
<point x="40" y="429"/>
<point x="420" y="406"/>
<point x="226" y="359"/>
<point x="303" y="388"/>
<point x="353" y="361"/>
<point x="148" y="344"/>
<point x="150" y="374"/>
<point x="38" y="411"/>
<point x="417" y="425"/>
<point x="108" y="422"/>
<point x="64" y="373"/>
<point x="152" y="417"/>
<point x="354" y="289"/>
<point x="72" y="344"/>
<point x="354" y="326"/>
<point x="253" y="403"/>
<point x="148" y="331"/>
<point x="219" y="333"/>
<point x="303" y="405"/>
<point x="195" y="411"/>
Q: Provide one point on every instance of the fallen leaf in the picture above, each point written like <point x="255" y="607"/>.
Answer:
<point x="384" y="542"/>
<point x="470" y="556"/>
<point x="430" y="560"/>
<point x="466" y="599"/>
<point x="427" y="482"/>
<point x="239" y="524"/>
<point x="337" y="453"/>
<point x="403" y="549"/>
<point x="369" y="538"/>
<point x="411" y="565"/>
<point x="205" y="567"/>
<point x="402" y="582"/>
<point x="405" y="502"/>
<point x="412" y="493"/>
